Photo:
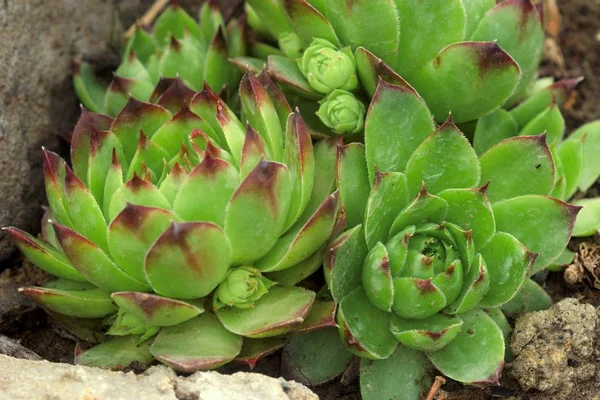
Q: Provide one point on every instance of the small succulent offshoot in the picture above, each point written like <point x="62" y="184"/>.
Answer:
<point x="441" y="240"/>
<point x="176" y="47"/>
<point x="186" y="232"/>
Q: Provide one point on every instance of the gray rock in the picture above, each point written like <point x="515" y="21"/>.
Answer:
<point x="11" y="347"/>
<point x="23" y="379"/>
<point x="556" y="350"/>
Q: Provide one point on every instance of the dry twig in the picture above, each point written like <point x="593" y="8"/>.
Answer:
<point x="437" y="384"/>
<point x="148" y="17"/>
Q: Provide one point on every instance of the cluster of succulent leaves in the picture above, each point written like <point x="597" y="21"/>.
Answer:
<point x="181" y="234"/>
<point x="462" y="56"/>
<point x="175" y="47"/>
<point x="187" y="228"/>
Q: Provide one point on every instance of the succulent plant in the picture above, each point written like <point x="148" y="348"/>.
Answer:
<point x="439" y="239"/>
<point x="575" y="156"/>
<point x="186" y="232"/>
<point x="176" y="47"/>
<point x="463" y="56"/>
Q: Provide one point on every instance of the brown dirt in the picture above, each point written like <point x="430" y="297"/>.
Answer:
<point x="579" y="42"/>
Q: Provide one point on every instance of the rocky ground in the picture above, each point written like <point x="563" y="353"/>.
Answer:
<point x="556" y="351"/>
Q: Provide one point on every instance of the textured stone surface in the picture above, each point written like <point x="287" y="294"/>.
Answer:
<point x="23" y="379"/>
<point x="556" y="350"/>
<point x="37" y="103"/>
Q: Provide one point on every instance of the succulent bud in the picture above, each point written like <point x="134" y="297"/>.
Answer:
<point x="342" y="112"/>
<point x="328" y="68"/>
<point x="241" y="287"/>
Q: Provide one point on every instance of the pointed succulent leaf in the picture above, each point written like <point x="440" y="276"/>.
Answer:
<point x="142" y="43"/>
<point x="131" y="234"/>
<point x="379" y="33"/>
<point x="470" y="209"/>
<point x="315" y="358"/>
<point x="493" y="128"/>
<point x="102" y="146"/>
<point x="430" y="334"/>
<point x="445" y="160"/>
<point x="365" y="329"/>
<point x="122" y="89"/>
<point x="353" y="181"/>
<point x="517" y="26"/>
<point x="423" y="40"/>
<point x="113" y="182"/>
<point x="279" y="311"/>
<point x="255" y="149"/>
<point x="278" y="99"/>
<point x="233" y="130"/>
<point x="532" y="297"/>
<point x="475" y="287"/>
<point x="188" y="260"/>
<point x="174" y="21"/>
<point x="216" y="180"/>
<point x="210" y="18"/>
<point x="81" y="140"/>
<point x="343" y="262"/>
<point x="93" y="263"/>
<point x="88" y="89"/>
<point x="207" y="104"/>
<point x="287" y="73"/>
<point x="118" y="353"/>
<point x="389" y="196"/>
<point x="137" y="191"/>
<point x="55" y="170"/>
<point x="476" y="355"/>
<point x="591" y="147"/>
<point x="90" y="303"/>
<point x="137" y="116"/>
<point x="416" y="298"/>
<point x="543" y="224"/>
<point x="390" y="137"/>
<point x="475" y="10"/>
<point x="256" y="214"/>
<point x="320" y="316"/>
<point x="529" y="161"/>
<point x="274" y="12"/>
<point x="217" y="69"/>
<point x="551" y="122"/>
<point x="377" y="278"/>
<point x="198" y="344"/>
<point x="254" y="350"/>
<point x="309" y="23"/>
<point x="570" y="153"/>
<point x="300" y="160"/>
<point x="44" y="256"/>
<point x="171" y="184"/>
<point x="425" y="208"/>
<point x="508" y="263"/>
<point x="300" y="271"/>
<point x="371" y="69"/>
<point x="470" y="79"/>
<point x="156" y="310"/>
<point x="176" y="131"/>
<point x="588" y="220"/>
<point x="406" y="372"/>
<point x="174" y="96"/>
<point x="148" y="155"/>
<point x="302" y="240"/>
<point x="451" y="281"/>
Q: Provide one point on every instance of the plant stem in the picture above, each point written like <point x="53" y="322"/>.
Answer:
<point x="437" y="384"/>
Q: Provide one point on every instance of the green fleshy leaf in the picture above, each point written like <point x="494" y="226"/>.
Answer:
<point x="175" y="21"/>
<point x="406" y="372"/>
<point x="287" y="73"/>
<point x="122" y="89"/>
<point x="217" y="69"/>
<point x="445" y="160"/>
<point x="591" y="148"/>
<point x="508" y="262"/>
<point x="417" y="298"/>
<point x="353" y="182"/>
<point x="430" y="334"/>
<point x="118" y="353"/>
<point x="274" y="12"/>
<point x="371" y="69"/>
<point x="255" y="349"/>
<point x="88" y="303"/>
<point x="470" y="79"/>
<point x="530" y="298"/>
<point x="156" y="310"/>
<point x="365" y="329"/>
<point x="377" y="278"/>
<point x="425" y="208"/>
<point x="188" y="260"/>
<point x="310" y="23"/>
<point x="543" y="224"/>
<point x="257" y="212"/>
<point x="279" y="311"/>
<point x="498" y="317"/>
<point x="492" y="129"/>
<point x="476" y="285"/>
<point x="391" y="138"/>
<point x="315" y="358"/>
<point x="81" y="140"/>
<point x="551" y="122"/>
<point x="102" y="146"/>
<point x="476" y="355"/>
<point x="570" y="153"/>
<point x="518" y="166"/>
<point x="320" y="316"/>
<point x="88" y="89"/>
<point x="136" y="191"/>
<point x="475" y="11"/>
<point x="198" y="344"/>
<point x="588" y="220"/>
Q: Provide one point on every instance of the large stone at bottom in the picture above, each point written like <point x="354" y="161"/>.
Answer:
<point x="22" y="379"/>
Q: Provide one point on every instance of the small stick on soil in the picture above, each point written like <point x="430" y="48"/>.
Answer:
<point x="147" y="18"/>
<point x="439" y="382"/>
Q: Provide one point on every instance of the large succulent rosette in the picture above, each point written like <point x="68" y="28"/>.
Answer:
<point x="467" y="57"/>
<point x="175" y="47"/>
<point x="174" y="229"/>
<point x="439" y="240"/>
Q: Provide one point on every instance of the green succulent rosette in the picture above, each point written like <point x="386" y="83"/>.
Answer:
<point x="440" y="241"/>
<point x="176" y="47"/>
<point x="186" y="232"/>
<point x="575" y="155"/>
<point x="465" y="57"/>
<point x="342" y="112"/>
